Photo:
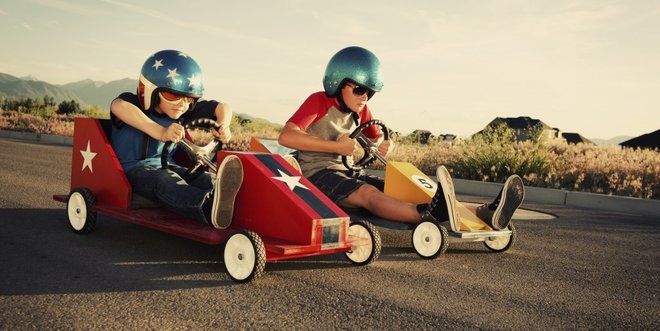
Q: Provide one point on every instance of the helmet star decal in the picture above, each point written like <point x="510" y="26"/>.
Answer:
<point x="88" y="156"/>
<point x="194" y="81"/>
<point x="291" y="181"/>
<point x="158" y="64"/>
<point x="172" y="73"/>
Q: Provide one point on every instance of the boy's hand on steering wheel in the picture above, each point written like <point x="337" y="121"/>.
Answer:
<point x="223" y="133"/>
<point x="385" y="147"/>
<point x="174" y="133"/>
<point x="347" y="146"/>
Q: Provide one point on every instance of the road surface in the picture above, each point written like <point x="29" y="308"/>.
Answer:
<point x="584" y="269"/>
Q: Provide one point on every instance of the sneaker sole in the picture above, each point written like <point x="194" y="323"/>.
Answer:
<point x="229" y="181"/>
<point x="293" y="162"/>
<point x="513" y="195"/>
<point x="447" y="184"/>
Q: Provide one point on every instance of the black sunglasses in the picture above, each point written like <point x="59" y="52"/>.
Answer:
<point x="359" y="91"/>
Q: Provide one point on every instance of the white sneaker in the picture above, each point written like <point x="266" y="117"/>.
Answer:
<point x="292" y="161"/>
<point x="228" y="181"/>
<point x="442" y="207"/>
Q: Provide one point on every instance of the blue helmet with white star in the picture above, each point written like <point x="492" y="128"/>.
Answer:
<point x="172" y="71"/>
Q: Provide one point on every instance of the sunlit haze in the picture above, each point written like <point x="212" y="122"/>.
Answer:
<point x="591" y="67"/>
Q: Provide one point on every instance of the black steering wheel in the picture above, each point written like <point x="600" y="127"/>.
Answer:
<point x="199" y="155"/>
<point x="370" y="149"/>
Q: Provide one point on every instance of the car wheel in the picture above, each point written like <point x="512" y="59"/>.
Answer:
<point x="245" y="256"/>
<point x="82" y="218"/>
<point x="502" y="244"/>
<point x="367" y="243"/>
<point x="429" y="239"/>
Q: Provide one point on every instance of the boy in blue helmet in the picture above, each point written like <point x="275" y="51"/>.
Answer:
<point x="320" y="130"/>
<point x="168" y="94"/>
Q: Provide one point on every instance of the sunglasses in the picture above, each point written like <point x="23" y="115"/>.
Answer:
<point x="359" y="91"/>
<point x="174" y="99"/>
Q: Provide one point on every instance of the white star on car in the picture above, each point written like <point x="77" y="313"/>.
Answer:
<point x="88" y="156"/>
<point x="291" y="181"/>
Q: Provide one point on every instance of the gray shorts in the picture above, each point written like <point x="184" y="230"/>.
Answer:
<point x="338" y="185"/>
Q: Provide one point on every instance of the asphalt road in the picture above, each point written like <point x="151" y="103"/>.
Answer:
<point x="585" y="269"/>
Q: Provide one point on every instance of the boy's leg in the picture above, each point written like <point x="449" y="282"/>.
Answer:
<point x="376" y="202"/>
<point x="443" y="204"/>
<point x="360" y="192"/>
<point x="228" y="181"/>
<point x="170" y="189"/>
<point x="498" y="213"/>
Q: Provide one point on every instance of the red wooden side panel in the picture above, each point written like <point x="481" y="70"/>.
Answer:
<point x="94" y="165"/>
<point x="277" y="202"/>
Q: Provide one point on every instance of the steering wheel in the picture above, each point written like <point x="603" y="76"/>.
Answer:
<point x="199" y="155"/>
<point x="370" y="149"/>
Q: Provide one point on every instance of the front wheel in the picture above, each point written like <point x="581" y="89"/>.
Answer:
<point x="79" y="210"/>
<point x="429" y="239"/>
<point x="365" y="245"/>
<point x="245" y="256"/>
<point x="502" y="244"/>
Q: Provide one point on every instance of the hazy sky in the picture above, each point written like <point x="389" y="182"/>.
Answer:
<point x="591" y="67"/>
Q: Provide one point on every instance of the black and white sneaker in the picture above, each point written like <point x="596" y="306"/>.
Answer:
<point x="228" y="181"/>
<point x="498" y="214"/>
<point x="443" y="205"/>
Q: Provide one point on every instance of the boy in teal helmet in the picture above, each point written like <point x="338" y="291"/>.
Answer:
<point x="168" y="95"/>
<point x="320" y="130"/>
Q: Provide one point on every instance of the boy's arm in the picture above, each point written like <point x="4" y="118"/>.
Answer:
<point x="223" y="115"/>
<point x="133" y="116"/>
<point x="294" y="137"/>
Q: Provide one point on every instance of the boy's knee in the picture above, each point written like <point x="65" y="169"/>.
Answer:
<point x="366" y="192"/>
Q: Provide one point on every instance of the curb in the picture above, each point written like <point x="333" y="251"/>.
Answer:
<point x="646" y="207"/>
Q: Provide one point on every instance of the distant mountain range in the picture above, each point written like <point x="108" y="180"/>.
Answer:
<point x="612" y="141"/>
<point x="86" y="92"/>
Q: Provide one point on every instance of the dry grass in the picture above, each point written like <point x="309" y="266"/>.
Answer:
<point x="587" y="168"/>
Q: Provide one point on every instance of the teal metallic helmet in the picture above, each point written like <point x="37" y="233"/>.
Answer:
<point x="355" y="64"/>
<point x="172" y="71"/>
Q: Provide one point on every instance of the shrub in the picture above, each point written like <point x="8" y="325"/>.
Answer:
<point x="494" y="155"/>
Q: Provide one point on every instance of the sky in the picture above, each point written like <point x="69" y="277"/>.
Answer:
<point x="590" y="67"/>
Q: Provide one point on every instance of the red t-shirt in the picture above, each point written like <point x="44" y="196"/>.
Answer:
<point x="321" y="116"/>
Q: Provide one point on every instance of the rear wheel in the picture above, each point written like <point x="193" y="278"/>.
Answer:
<point x="502" y="244"/>
<point x="366" y="243"/>
<point x="79" y="210"/>
<point x="245" y="256"/>
<point x="429" y="239"/>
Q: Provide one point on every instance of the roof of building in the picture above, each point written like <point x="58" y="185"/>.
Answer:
<point x="575" y="138"/>
<point x="649" y="140"/>
<point x="521" y="122"/>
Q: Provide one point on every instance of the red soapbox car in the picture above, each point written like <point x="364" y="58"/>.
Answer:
<point x="278" y="213"/>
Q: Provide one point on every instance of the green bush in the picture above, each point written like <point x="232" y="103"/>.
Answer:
<point x="494" y="155"/>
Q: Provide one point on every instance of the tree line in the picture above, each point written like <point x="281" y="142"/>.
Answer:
<point x="44" y="105"/>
